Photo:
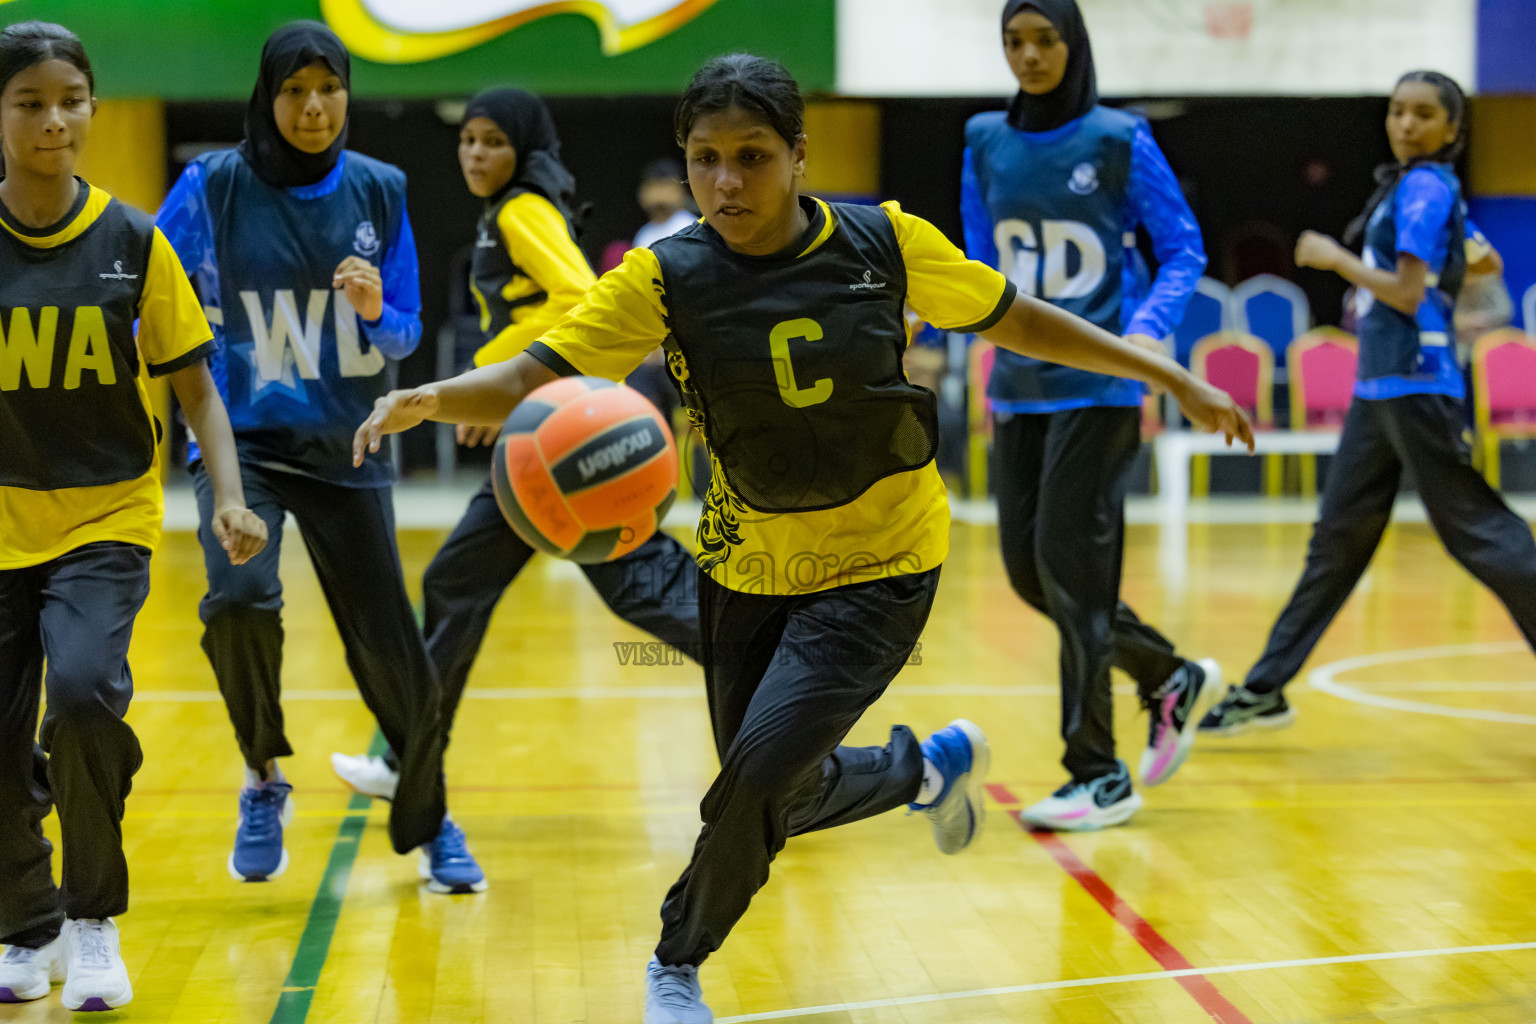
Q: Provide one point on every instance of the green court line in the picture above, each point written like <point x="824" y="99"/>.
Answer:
<point x="315" y="944"/>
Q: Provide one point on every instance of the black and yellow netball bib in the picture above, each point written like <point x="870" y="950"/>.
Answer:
<point x="71" y="412"/>
<point x="794" y="359"/>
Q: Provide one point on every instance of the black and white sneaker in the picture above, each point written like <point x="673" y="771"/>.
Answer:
<point x="1085" y="806"/>
<point x="1242" y="709"/>
<point x="1175" y="710"/>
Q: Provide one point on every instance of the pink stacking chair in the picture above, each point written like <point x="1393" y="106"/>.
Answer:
<point x="1244" y="367"/>
<point x="1322" y="367"/>
<point x="1504" y="392"/>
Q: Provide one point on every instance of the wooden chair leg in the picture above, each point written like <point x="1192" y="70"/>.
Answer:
<point x="1308" y="476"/>
<point x="1491" y="459"/>
<point x="1273" y="476"/>
<point x="977" y="459"/>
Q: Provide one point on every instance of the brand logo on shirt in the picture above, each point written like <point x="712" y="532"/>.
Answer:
<point x="484" y="240"/>
<point x="866" y="284"/>
<point x="117" y="273"/>
<point x="1084" y="180"/>
<point x="366" y="242"/>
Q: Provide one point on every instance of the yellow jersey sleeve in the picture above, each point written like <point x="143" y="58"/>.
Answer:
<point x="539" y="242"/>
<point x="173" y="332"/>
<point x="944" y="287"/>
<point x="612" y="330"/>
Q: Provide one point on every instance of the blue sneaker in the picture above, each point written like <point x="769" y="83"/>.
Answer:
<point x="446" y="863"/>
<point x="960" y="752"/>
<point x="673" y="995"/>
<point x="259" y="855"/>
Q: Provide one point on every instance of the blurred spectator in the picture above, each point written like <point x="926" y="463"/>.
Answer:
<point x="664" y="198"/>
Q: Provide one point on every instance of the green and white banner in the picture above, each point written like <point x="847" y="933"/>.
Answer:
<point x="208" y="49"/>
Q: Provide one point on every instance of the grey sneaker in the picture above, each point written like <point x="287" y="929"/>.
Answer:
<point x="1242" y="709"/>
<point x="673" y="996"/>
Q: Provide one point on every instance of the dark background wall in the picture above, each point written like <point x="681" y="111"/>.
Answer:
<point x="1256" y="171"/>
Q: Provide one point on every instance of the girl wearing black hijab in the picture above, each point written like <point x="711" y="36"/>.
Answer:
<point x="526" y="274"/>
<point x="1052" y="190"/>
<point x="302" y="254"/>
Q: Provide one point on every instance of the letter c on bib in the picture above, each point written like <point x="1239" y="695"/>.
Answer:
<point x="795" y="396"/>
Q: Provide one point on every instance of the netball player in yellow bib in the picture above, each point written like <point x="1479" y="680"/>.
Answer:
<point x="826" y="519"/>
<point x="80" y="511"/>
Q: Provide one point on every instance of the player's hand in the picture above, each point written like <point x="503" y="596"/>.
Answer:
<point x="241" y="533"/>
<point x="396" y="411"/>
<point x="1149" y="344"/>
<point x="1320" y="251"/>
<point x="1212" y="410"/>
<point x="363" y="285"/>
<point x="470" y="435"/>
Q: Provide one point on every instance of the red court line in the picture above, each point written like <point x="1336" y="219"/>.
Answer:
<point x="1170" y="959"/>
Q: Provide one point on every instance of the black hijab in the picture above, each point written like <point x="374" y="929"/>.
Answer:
<point x="526" y="121"/>
<point x="290" y="48"/>
<point x="1078" y="92"/>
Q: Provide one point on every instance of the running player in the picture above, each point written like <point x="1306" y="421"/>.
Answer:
<point x="80" y="511"/>
<point x="526" y="274"/>
<point x="1054" y="175"/>
<point x="1407" y="411"/>
<point x="302" y="253"/>
<point x="826" y="519"/>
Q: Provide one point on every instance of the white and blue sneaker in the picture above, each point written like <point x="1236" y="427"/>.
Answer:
<point x="366" y="774"/>
<point x="447" y="865"/>
<point x="27" y="974"/>
<point x="673" y="995"/>
<point x="960" y="754"/>
<point x="259" y="854"/>
<point x="1085" y="806"/>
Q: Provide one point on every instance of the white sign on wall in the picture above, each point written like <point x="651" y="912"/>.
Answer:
<point x="1163" y="47"/>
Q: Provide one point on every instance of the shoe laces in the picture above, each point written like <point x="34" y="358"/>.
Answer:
<point x="19" y="955"/>
<point x="262" y="809"/>
<point x="675" y="987"/>
<point x="92" y="949"/>
<point x="450" y="843"/>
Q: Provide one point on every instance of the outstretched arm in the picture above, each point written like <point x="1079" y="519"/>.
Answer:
<point x="1034" y="328"/>
<point x="484" y="396"/>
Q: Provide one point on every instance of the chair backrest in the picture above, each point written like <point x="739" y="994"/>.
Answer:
<point x="1241" y="365"/>
<point x="1322" y="367"/>
<point x="1273" y="309"/>
<point x="1504" y="378"/>
<point x="1528" y="310"/>
<point x="1206" y="314"/>
<point x="979" y="373"/>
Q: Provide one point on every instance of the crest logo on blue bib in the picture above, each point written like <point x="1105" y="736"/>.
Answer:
<point x="366" y="241"/>
<point x="1084" y="180"/>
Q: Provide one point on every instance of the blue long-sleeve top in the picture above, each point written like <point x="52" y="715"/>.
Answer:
<point x="297" y="367"/>
<point x="1057" y="212"/>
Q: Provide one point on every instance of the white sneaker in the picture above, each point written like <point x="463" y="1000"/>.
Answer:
<point x="1085" y="806"/>
<point x="368" y="775"/>
<point x="96" y="978"/>
<point x="27" y="974"/>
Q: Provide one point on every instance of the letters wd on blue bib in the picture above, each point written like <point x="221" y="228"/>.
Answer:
<point x="297" y="367"/>
<point x="1057" y="213"/>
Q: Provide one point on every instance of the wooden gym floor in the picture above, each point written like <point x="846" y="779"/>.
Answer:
<point x="1375" y="862"/>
